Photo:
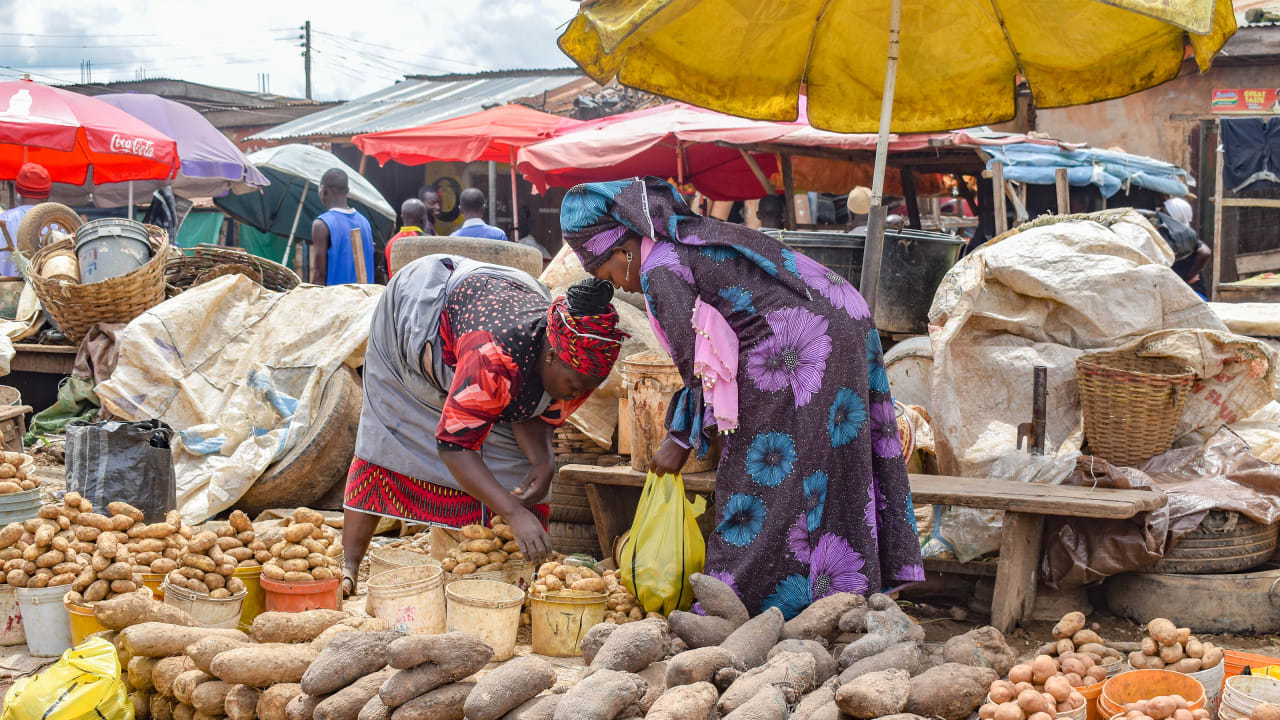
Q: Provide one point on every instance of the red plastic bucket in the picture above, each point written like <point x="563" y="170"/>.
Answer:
<point x="282" y="596"/>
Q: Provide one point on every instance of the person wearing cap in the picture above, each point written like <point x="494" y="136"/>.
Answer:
<point x="33" y="186"/>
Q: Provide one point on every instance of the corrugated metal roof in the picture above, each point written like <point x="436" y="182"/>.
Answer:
<point x="418" y="101"/>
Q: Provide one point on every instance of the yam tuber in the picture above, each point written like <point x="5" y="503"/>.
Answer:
<point x="718" y="599"/>
<point x="155" y="639"/>
<point x="700" y="630"/>
<point x="413" y="650"/>
<point x="346" y="703"/>
<point x="685" y="702"/>
<point x="242" y="701"/>
<point x="633" y="647"/>
<point x="444" y="703"/>
<point x="263" y="665"/>
<point x="697" y="665"/>
<point x="346" y="659"/>
<point x="509" y="685"/>
<point x="791" y="672"/>
<point x="750" y="644"/>
<point x="601" y="696"/>
<point x="273" y="701"/>
<point x="284" y="627"/>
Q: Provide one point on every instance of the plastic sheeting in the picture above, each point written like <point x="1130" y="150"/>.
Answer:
<point x="1039" y="297"/>
<point x="1219" y="475"/>
<point x="237" y="369"/>
<point x="1110" y="171"/>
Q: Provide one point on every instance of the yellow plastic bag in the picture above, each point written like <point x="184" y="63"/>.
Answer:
<point x="664" y="547"/>
<point x="84" y="684"/>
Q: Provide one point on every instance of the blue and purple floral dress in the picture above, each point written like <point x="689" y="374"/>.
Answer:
<point x="812" y="496"/>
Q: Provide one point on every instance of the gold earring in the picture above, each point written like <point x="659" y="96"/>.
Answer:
<point x="629" y="258"/>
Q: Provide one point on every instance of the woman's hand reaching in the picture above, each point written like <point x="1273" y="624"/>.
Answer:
<point x="534" y="541"/>
<point x="671" y="456"/>
<point x="536" y="485"/>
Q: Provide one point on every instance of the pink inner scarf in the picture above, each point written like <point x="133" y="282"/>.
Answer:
<point x="715" y="355"/>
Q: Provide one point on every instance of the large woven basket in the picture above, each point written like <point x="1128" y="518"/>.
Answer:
<point x="185" y="271"/>
<point x="77" y="307"/>
<point x="1131" y="404"/>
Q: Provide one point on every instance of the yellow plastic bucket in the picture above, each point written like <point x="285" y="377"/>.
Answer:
<point x="83" y="622"/>
<point x="255" y="600"/>
<point x="411" y="599"/>
<point x="155" y="581"/>
<point x="562" y="618"/>
<point x="487" y="609"/>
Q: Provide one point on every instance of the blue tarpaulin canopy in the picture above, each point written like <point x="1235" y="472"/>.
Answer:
<point x="1109" y="170"/>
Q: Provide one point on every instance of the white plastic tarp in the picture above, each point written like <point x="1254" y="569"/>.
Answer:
<point x="1040" y="297"/>
<point x="237" y="370"/>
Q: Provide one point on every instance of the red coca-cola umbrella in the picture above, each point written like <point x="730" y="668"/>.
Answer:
<point x="69" y="133"/>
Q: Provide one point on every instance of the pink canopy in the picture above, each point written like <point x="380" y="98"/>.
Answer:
<point x="490" y="135"/>
<point x="681" y="141"/>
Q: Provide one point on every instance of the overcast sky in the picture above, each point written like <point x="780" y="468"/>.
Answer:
<point x="358" y="46"/>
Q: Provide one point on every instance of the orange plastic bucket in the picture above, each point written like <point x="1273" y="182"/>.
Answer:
<point x="83" y="622"/>
<point x="282" y="596"/>
<point x="1137" y="685"/>
<point x="1091" y="693"/>
<point x="1235" y="662"/>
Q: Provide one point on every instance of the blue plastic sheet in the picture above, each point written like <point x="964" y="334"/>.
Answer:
<point x="1109" y="171"/>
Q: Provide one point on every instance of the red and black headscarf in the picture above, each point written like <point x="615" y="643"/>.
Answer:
<point x="582" y="328"/>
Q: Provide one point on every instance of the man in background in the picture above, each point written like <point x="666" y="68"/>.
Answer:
<point x="472" y="204"/>
<point x="430" y="198"/>
<point x="332" y="260"/>
<point x="33" y="186"/>
<point x="1189" y="265"/>
<point x="770" y="212"/>
<point x="413" y="217"/>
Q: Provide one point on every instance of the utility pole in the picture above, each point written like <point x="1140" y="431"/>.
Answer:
<point x="306" y="55"/>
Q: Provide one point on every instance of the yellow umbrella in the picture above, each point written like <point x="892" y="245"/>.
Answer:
<point x="957" y="65"/>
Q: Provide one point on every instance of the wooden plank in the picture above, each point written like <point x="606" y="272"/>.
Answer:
<point x="1250" y="263"/>
<point x="1018" y="571"/>
<point x="909" y="193"/>
<point x="984" y="493"/>
<point x="45" y="359"/>
<point x="789" y="192"/>
<point x="1063" y="188"/>
<point x="1250" y="202"/>
<point x="955" y="567"/>
<point x="755" y="170"/>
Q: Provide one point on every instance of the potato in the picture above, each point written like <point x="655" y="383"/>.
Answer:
<point x="273" y="572"/>
<point x="292" y="552"/>
<point x="1009" y="711"/>
<point x="298" y="532"/>
<point x="201" y="542"/>
<point x="1163" y="631"/>
<point x="1069" y="625"/>
<point x="1212" y="656"/>
<point x="1042" y="668"/>
<point x="200" y="562"/>
<point x="1171" y="653"/>
<point x="464" y="568"/>
<point x="96" y="591"/>
<point x="124" y="508"/>
<point x="240" y="522"/>
<point x="477" y="532"/>
<point x="1150" y="646"/>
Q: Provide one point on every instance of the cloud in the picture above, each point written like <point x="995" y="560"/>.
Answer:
<point x="359" y="47"/>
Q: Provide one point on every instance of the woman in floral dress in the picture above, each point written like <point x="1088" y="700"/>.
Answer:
<point x="780" y="356"/>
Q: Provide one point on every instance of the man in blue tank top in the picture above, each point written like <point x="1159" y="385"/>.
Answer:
<point x="332" y="260"/>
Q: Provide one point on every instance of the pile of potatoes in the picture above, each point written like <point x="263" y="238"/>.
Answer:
<point x="1040" y="686"/>
<point x="1265" y="711"/>
<point x="99" y="556"/>
<point x="13" y="478"/>
<point x="208" y="563"/>
<point x="1166" y="707"/>
<point x="486" y="549"/>
<point x="1071" y="636"/>
<point x="622" y="605"/>
<point x="1169" y="647"/>
<point x="306" y="550"/>
<point x="420" y="543"/>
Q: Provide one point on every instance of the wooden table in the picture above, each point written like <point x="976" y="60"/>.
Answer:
<point x="47" y="359"/>
<point x="615" y="491"/>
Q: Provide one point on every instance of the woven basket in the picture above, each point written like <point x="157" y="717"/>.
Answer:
<point x="1131" y="404"/>
<point x="77" y="307"/>
<point x="183" y="272"/>
<point x="218" y="271"/>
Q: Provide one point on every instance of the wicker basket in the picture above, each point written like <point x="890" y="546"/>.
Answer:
<point x="77" y="307"/>
<point x="1131" y="404"/>
<point x="218" y="271"/>
<point x="184" y="272"/>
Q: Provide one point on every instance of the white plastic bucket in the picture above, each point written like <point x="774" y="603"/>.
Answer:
<point x="111" y="247"/>
<point x="411" y="599"/>
<point x="1211" y="680"/>
<point x="43" y="608"/>
<point x="487" y="609"/>
<point x="1243" y="693"/>
<point x="10" y="618"/>
<point x="210" y="612"/>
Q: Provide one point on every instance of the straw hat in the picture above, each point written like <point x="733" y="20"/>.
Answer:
<point x="859" y="202"/>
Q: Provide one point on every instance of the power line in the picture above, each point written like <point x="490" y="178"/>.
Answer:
<point x="370" y="64"/>
<point x="383" y="48"/>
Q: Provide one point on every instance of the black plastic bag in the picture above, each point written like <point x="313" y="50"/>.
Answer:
<point x="128" y="461"/>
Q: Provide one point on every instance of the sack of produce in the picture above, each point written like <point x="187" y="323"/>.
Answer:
<point x="113" y="460"/>
<point x="85" y="682"/>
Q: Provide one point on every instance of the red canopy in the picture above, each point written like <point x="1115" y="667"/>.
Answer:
<point x="68" y="133"/>
<point x="645" y="142"/>
<point x="491" y="135"/>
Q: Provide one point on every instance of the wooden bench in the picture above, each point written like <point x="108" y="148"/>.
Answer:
<point x="614" y="493"/>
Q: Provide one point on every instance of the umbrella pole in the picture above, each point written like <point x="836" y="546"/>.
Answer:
<point x="873" y="249"/>
<point x="493" y="193"/>
<point x="129" y="205"/>
<point x="288" y="246"/>
<point x="515" y="200"/>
